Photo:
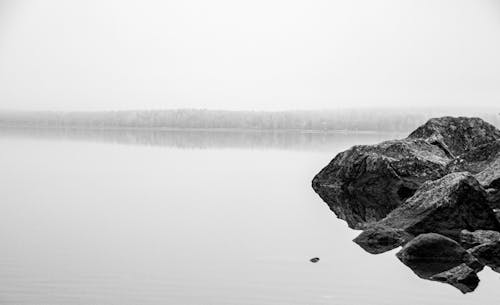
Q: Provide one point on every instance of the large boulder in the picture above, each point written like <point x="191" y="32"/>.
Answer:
<point x="436" y="193"/>
<point x="446" y="206"/>
<point x="365" y="183"/>
<point x="436" y="257"/>
<point x="457" y="135"/>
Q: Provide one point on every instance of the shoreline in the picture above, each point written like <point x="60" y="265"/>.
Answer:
<point x="235" y="130"/>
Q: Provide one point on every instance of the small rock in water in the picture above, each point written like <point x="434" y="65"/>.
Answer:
<point x="314" y="260"/>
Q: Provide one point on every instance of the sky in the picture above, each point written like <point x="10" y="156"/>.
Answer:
<point x="248" y="55"/>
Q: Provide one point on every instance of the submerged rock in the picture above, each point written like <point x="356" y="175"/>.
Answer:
<point x="462" y="277"/>
<point x="436" y="257"/>
<point x="379" y="239"/>
<point x="436" y="248"/>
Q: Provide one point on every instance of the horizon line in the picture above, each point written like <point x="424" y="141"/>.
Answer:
<point x="416" y="108"/>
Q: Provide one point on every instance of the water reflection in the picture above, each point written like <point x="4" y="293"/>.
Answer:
<point x="203" y="139"/>
<point x="117" y="224"/>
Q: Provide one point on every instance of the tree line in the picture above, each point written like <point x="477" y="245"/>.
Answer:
<point x="313" y="120"/>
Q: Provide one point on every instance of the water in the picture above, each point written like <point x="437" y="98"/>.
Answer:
<point x="193" y="218"/>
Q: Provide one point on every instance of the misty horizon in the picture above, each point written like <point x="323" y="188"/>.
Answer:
<point x="229" y="152"/>
<point x="387" y="120"/>
<point x="261" y="55"/>
<point x="422" y="109"/>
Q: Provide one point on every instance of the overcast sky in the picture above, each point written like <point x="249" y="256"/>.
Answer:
<point x="259" y="54"/>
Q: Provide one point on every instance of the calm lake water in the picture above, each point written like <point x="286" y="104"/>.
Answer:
<point x="188" y="218"/>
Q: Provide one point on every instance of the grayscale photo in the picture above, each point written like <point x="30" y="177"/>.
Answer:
<point x="225" y="152"/>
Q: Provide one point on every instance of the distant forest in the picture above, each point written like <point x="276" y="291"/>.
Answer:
<point x="317" y="120"/>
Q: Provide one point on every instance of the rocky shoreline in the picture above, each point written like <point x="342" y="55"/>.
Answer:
<point x="436" y="193"/>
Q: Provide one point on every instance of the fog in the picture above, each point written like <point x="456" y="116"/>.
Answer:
<point x="253" y="55"/>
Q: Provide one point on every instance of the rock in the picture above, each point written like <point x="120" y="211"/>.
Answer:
<point x="471" y="239"/>
<point x="476" y="159"/>
<point x="435" y="257"/>
<point x="489" y="177"/>
<point x="433" y="247"/>
<point x="494" y="200"/>
<point x="451" y="206"/>
<point x="461" y="277"/>
<point x="429" y="192"/>
<point x="314" y="260"/>
<point x="365" y="183"/>
<point x="379" y="239"/>
<point x="446" y="206"/>
<point x="484" y="162"/>
<point x="456" y="135"/>
<point x="497" y="213"/>
<point x="488" y="254"/>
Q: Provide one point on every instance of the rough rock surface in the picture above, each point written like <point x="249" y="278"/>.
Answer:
<point x="436" y="248"/>
<point x="494" y="200"/>
<point x="436" y="257"/>
<point x="446" y="206"/>
<point x="476" y="159"/>
<point x="462" y="277"/>
<point x="457" y="135"/>
<point x="436" y="193"/>
<point x="365" y="183"/>
<point x="471" y="239"/>
<point x="488" y="254"/>
<point x="490" y="176"/>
